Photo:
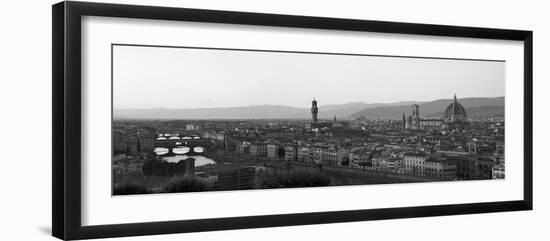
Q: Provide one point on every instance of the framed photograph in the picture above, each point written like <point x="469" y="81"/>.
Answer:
<point x="169" y="120"/>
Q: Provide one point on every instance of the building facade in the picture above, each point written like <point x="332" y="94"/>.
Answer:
<point x="473" y="166"/>
<point x="304" y="154"/>
<point x="258" y="150"/>
<point x="272" y="151"/>
<point x="291" y="153"/>
<point x="421" y="164"/>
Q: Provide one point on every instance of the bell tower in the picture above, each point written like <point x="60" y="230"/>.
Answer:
<point x="314" y="110"/>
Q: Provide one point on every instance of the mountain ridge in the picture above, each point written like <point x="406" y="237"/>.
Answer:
<point x="350" y="110"/>
<point x="433" y="108"/>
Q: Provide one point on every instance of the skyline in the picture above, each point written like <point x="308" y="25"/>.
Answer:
<point x="307" y="105"/>
<point x="479" y="107"/>
<point x="182" y="78"/>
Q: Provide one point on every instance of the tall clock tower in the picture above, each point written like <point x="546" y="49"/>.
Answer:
<point x="314" y="110"/>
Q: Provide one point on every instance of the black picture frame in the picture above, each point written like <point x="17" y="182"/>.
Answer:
<point x="66" y="127"/>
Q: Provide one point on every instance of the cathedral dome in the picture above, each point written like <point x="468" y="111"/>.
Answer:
<point x="454" y="112"/>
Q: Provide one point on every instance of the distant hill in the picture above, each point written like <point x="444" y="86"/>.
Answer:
<point x="247" y="112"/>
<point x="478" y="112"/>
<point x="342" y="111"/>
<point x="491" y="106"/>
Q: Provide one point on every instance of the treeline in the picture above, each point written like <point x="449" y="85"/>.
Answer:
<point x="175" y="185"/>
<point x="179" y="183"/>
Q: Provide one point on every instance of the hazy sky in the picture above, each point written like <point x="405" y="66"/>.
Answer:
<point x="153" y="77"/>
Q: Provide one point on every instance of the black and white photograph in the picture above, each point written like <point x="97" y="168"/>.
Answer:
<point x="275" y="120"/>
<point x="196" y="119"/>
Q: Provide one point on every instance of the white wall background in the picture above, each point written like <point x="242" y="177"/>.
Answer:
<point x="25" y="104"/>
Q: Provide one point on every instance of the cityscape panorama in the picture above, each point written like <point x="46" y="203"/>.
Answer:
<point x="433" y="141"/>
